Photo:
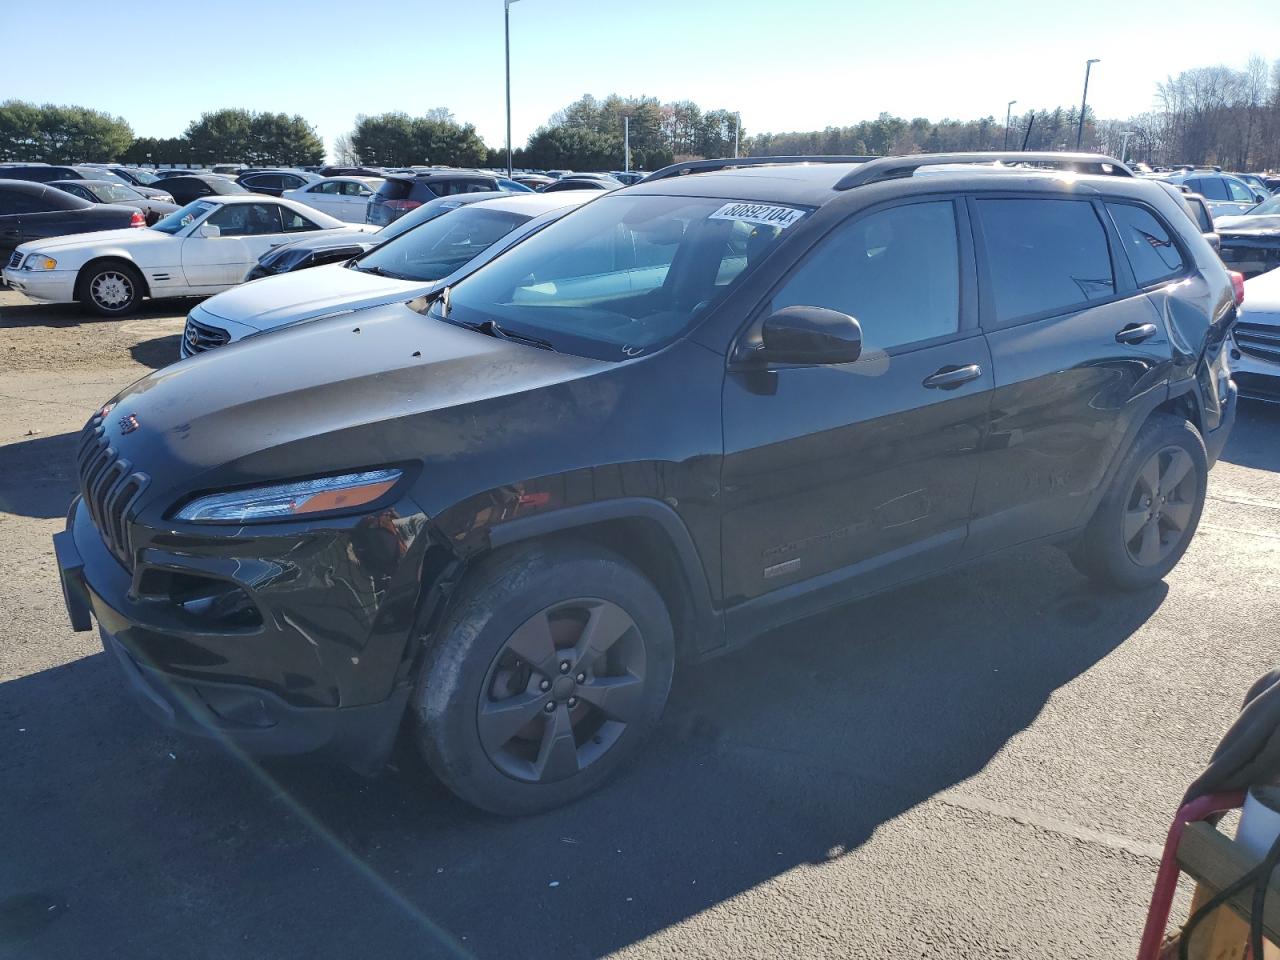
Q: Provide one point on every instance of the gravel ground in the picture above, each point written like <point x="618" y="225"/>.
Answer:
<point x="977" y="767"/>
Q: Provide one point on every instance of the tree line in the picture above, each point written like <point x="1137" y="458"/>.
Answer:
<point x="1210" y="115"/>
<point x="1204" y="115"/>
<point x="57" y="134"/>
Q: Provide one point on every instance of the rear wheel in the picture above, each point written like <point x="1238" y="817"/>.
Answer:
<point x="1147" y="518"/>
<point x="111" y="289"/>
<point x="553" y="667"/>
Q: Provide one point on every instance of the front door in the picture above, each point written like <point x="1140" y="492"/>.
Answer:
<point x="1076" y="350"/>
<point x="245" y="232"/>
<point x="843" y="478"/>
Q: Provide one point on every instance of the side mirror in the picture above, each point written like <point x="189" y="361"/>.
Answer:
<point x="209" y="230"/>
<point x="810" y="335"/>
<point x="1214" y="241"/>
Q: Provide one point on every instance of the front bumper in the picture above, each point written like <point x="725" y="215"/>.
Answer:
<point x="49" y="286"/>
<point x="286" y="686"/>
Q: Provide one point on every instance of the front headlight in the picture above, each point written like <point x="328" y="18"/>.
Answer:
<point x="286" y="500"/>
<point x="38" y="261"/>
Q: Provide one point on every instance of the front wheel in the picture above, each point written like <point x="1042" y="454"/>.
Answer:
<point x="551" y="670"/>
<point x="111" y="289"/>
<point x="1146" y="519"/>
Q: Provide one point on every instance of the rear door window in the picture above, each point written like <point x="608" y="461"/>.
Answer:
<point x="1147" y="243"/>
<point x="1044" y="256"/>
<point x="897" y="272"/>
<point x="1214" y="188"/>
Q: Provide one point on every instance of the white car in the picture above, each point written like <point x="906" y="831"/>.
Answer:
<point x="203" y="248"/>
<point x="346" y="198"/>
<point x="419" y="261"/>
<point x="1255" y="359"/>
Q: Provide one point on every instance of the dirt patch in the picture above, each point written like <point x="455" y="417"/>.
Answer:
<point x="36" y="336"/>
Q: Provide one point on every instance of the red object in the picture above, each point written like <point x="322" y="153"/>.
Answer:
<point x="137" y="220"/>
<point x="1237" y="284"/>
<point x="404" y="206"/>
<point x="1202" y="808"/>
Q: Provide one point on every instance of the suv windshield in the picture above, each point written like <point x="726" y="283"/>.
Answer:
<point x="437" y="248"/>
<point x="183" y="217"/>
<point x="143" y="176"/>
<point x="622" y="275"/>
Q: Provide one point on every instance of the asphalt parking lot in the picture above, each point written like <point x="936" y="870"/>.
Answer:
<point x="976" y="767"/>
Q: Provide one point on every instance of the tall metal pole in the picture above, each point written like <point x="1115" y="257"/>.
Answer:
<point x="1124" y="145"/>
<point x="626" y="143"/>
<point x="506" y="29"/>
<point x="737" y="133"/>
<point x="1084" y="100"/>
<point x="1008" y="116"/>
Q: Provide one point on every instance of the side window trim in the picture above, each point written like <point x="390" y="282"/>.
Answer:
<point x="969" y="318"/>
<point x="1188" y="260"/>
<point x="1123" y="279"/>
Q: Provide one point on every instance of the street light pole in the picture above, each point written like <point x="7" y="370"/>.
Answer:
<point x="1084" y="100"/>
<point x="506" y="28"/>
<point x="626" y="143"/>
<point x="1008" y="115"/>
<point x="737" y="133"/>
<point x="1124" y="145"/>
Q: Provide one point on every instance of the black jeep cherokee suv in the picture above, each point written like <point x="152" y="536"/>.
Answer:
<point x="686" y="413"/>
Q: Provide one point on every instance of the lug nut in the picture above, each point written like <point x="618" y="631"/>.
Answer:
<point x="550" y="707"/>
<point x="544" y="686"/>
<point x="580" y="678"/>
<point x="564" y="666"/>
<point x="573" y="702"/>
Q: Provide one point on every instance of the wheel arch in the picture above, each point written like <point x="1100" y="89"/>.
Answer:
<point x="106" y="258"/>
<point x="650" y="535"/>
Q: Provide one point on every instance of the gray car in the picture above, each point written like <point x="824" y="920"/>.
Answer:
<point x="108" y="191"/>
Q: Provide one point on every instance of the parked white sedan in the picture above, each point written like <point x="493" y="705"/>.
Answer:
<point x="346" y="198"/>
<point x="205" y="247"/>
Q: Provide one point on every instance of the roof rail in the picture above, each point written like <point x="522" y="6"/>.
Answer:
<point x="892" y="168"/>
<point x="710" y="166"/>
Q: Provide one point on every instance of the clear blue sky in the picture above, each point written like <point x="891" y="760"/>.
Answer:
<point x="785" y="64"/>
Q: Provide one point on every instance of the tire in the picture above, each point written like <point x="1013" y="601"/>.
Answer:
<point x="481" y="709"/>
<point x="111" y="289"/>
<point x="1135" y="538"/>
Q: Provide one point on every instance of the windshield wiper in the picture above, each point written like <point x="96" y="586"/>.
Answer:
<point x="378" y="272"/>
<point x="490" y="328"/>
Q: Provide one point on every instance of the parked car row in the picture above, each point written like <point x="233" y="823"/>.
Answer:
<point x="437" y="251"/>
<point x="199" y="249"/>
<point x="495" y="479"/>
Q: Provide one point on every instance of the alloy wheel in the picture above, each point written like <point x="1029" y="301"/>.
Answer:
<point x="562" y="690"/>
<point x="1160" y="506"/>
<point x="111" y="290"/>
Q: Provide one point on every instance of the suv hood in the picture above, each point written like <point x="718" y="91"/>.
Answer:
<point x="334" y="396"/>
<point x="306" y="294"/>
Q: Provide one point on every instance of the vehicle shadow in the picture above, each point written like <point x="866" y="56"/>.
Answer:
<point x="28" y="313"/>
<point x="124" y="840"/>
<point x="157" y="353"/>
<point x="1253" y="438"/>
<point x="39" y="475"/>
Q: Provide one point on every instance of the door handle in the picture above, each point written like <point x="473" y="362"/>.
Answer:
<point x="1136" y="333"/>
<point x="948" y="378"/>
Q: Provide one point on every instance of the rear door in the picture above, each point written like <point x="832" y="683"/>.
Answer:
<point x="324" y="196"/>
<point x="863" y="473"/>
<point x="1076" y="349"/>
<point x="353" y="201"/>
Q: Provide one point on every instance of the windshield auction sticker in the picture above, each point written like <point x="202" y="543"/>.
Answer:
<point x="781" y="217"/>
